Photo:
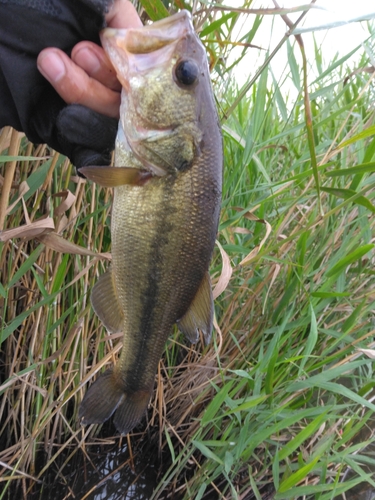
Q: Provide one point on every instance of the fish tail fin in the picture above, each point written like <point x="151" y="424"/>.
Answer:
<point x="101" y="400"/>
<point x="130" y="410"/>
<point x="106" y="396"/>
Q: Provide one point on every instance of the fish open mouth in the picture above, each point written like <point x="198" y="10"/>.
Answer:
<point x="142" y="48"/>
<point x="151" y="37"/>
<point x="145" y="60"/>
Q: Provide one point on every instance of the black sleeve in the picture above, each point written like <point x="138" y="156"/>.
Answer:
<point x="27" y="101"/>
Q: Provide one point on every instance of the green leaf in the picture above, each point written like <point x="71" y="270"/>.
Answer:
<point x="40" y="283"/>
<point x="241" y="374"/>
<point x="328" y="295"/>
<point x="294" y="68"/>
<point x="271" y="372"/>
<point x="305" y="434"/>
<point x="325" y="376"/>
<point x="323" y="91"/>
<point x="8" y="330"/>
<point x="255" y="489"/>
<point x="349" y="193"/>
<point x="311" y="339"/>
<point x="276" y="469"/>
<point x="216" y="403"/>
<point x="207" y="452"/>
<point x="216" y="24"/>
<point x="17" y="376"/>
<point x="369" y="132"/>
<point x="313" y="336"/>
<point x="353" y="318"/>
<point x="29" y="262"/>
<point x="249" y="403"/>
<point x="336" y="64"/>
<point x="297" y="476"/>
<point x="280" y="99"/>
<point x="155" y="9"/>
<point x="301" y="491"/>
<point x="201" y="491"/>
<point x="358" y="169"/>
<point x="60" y="274"/>
<point x="348" y="393"/>
<point x="228" y="461"/>
<point x="261" y="168"/>
<point x="170" y="445"/>
<point x="35" y="182"/>
<point x="349" y="259"/>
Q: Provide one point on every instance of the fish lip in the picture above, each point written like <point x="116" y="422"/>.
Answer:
<point x="158" y="34"/>
<point x="148" y="38"/>
<point x="137" y="50"/>
<point x="182" y="15"/>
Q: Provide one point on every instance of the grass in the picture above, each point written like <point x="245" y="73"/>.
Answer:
<point x="281" y="404"/>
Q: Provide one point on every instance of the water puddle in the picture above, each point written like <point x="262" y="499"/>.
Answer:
<point x="104" y="472"/>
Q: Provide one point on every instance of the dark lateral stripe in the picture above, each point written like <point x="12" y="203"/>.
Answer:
<point x="150" y="300"/>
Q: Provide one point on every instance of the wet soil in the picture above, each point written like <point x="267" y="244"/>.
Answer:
<point x="102" y="471"/>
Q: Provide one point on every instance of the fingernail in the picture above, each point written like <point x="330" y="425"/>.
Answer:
<point x="87" y="60"/>
<point x="51" y="66"/>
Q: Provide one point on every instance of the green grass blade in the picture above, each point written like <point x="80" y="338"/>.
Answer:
<point x="348" y="194"/>
<point x="349" y="259"/>
<point x="298" y="476"/>
<point x="358" y="169"/>
<point x="155" y="9"/>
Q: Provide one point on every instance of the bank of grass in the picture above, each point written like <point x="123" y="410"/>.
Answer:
<point x="280" y="404"/>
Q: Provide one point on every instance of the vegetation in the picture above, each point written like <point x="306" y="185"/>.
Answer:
<point x="280" y="404"/>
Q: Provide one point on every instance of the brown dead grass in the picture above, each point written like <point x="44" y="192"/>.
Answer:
<point x="43" y="373"/>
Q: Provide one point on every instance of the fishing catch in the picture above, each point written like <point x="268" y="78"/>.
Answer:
<point x="166" y="203"/>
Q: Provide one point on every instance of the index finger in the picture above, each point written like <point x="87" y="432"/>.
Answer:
<point x="123" y="14"/>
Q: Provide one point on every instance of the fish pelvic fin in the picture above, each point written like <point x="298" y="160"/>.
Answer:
<point x="200" y="314"/>
<point x="116" y="176"/>
<point x="105" y="303"/>
<point x="106" y="396"/>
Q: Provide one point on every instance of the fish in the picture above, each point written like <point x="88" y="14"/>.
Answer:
<point x="167" y="183"/>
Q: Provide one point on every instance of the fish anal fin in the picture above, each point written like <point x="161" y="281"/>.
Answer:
<point x="116" y="176"/>
<point x="200" y="314"/>
<point x="105" y="303"/>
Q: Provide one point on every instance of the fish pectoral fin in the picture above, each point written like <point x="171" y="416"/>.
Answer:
<point x="116" y="176"/>
<point x="105" y="303"/>
<point x="200" y="314"/>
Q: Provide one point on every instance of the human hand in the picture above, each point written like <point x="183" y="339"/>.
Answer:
<point x="88" y="78"/>
<point x="27" y="100"/>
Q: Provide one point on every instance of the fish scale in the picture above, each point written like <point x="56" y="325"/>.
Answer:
<point x="181" y="268"/>
<point x="166" y="204"/>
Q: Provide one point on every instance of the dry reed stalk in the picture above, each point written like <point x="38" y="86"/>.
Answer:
<point x="5" y="134"/>
<point x="10" y="169"/>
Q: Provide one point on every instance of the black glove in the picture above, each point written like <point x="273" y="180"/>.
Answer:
<point x="27" y="100"/>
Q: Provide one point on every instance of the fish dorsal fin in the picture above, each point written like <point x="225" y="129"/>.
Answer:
<point x="200" y="314"/>
<point x="105" y="303"/>
<point x="116" y="176"/>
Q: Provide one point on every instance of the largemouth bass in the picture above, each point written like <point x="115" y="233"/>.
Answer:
<point x="166" y="203"/>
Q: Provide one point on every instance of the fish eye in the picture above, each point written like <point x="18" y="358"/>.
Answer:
<point x="186" y="72"/>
